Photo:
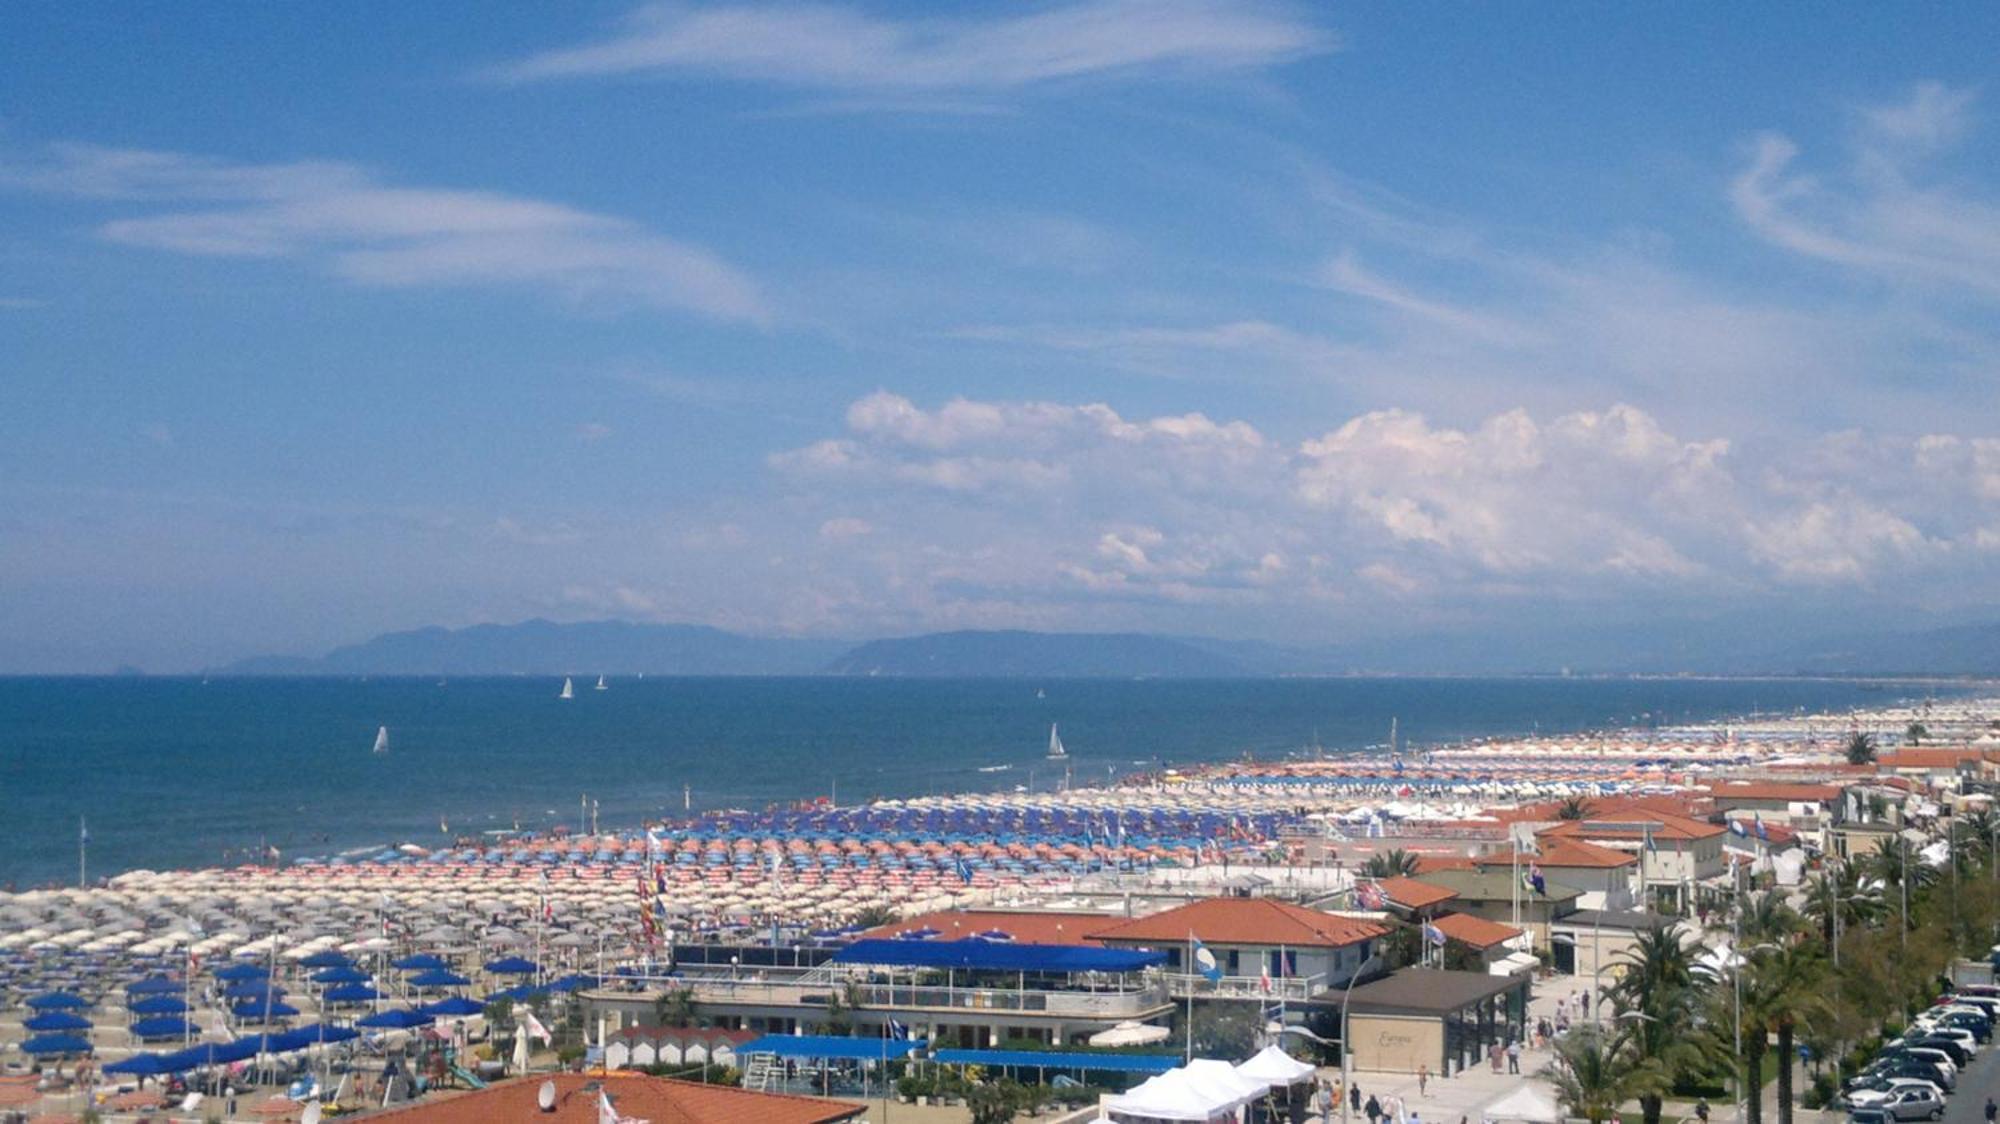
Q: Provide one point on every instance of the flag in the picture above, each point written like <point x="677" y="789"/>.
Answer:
<point x="1204" y="961"/>
<point x="1763" y="832"/>
<point x="898" y="1031"/>
<point x="1369" y="896"/>
<point x="608" y="1115"/>
<point x="1264" y="978"/>
<point x="963" y="868"/>
<point x="1433" y="934"/>
<point x="533" y="1027"/>
<point x="1736" y="827"/>
<point x="1535" y="880"/>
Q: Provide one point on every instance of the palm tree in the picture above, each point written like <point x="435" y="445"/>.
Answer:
<point x="1975" y="836"/>
<point x="1837" y="891"/>
<point x="1916" y="733"/>
<point x="1392" y="863"/>
<point x="1896" y="858"/>
<point x="1860" y="748"/>
<point x="1767" y="917"/>
<point x="1783" y="990"/>
<point x="1655" y="1001"/>
<point x="1594" y="1073"/>
<point x="1573" y="808"/>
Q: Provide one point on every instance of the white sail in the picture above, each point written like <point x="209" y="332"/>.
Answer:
<point x="600" y="684"/>
<point x="382" y="740"/>
<point x="569" y="689"/>
<point x="1056" y="750"/>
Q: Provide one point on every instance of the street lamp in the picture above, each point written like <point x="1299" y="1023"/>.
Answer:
<point x="1347" y="993"/>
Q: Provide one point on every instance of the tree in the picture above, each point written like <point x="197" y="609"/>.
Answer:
<point x="1654" y="1001"/>
<point x="1915" y="733"/>
<point x="1392" y="863"/>
<point x="1860" y="748"/>
<point x="874" y="916"/>
<point x="1226" y="1030"/>
<point x="1594" y="1072"/>
<point x="993" y="1102"/>
<point x="1782" y="992"/>
<point x="1838" y="891"/>
<point x="675" y="1007"/>
<point x="1767" y="917"/>
<point x="1573" y="808"/>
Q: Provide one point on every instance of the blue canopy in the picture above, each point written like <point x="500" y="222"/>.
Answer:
<point x="422" y="961"/>
<point x="996" y="956"/>
<point x="825" y="1046"/>
<point x="56" y="1044"/>
<point x="510" y="966"/>
<point x="574" y="982"/>
<point x="396" y="1019"/>
<point x="1062" y="1059"/>
<point x="242" y="970"/>
<point x="271" y="1008"/>
<point x="252" y="990"/>
<point x="325" y="959"/>
<point x="456" y="1005"/>
<point x="157" y="1005"/>
<point x="313" y="1035"/>
<point x="351" y="993"/>
<point x="154" y="985"/>
<point x="340" y="974"/>
<point x="524" y="991"/>
<point x="438" y="977"/>
<point x="208" y="1053"/>
<point x="163" y="1026"/>
<point x="56" y="1020"/>
<point x="140" y="1065"/>
<point x="58" y="999"/>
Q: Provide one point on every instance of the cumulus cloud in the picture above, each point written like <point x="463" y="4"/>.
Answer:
<point x="345" y="220"/>
<point x="1017" y="506"/>
<point x="830" y="47"/>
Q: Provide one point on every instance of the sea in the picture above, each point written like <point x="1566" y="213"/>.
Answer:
<point x="157" y="773"/>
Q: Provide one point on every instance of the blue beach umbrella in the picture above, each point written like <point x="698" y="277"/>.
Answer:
<point x="510" y="966"/>
<point x="456" y="1005"/>
<point x="421" y="962"/>
<point x="157" y="1005"/>
<point x="163" y="1026"/>
<point x="251" y="989"/>
<point x="265" y="1010"/>
<point x="43" y="1044"/>
<point x="56" y="1020"/>
<point x="242" y="971"/>
<point x="438" y="977"/>
<point x="56" y="1000"/>
<point x="351" y="993"/>
<point x="140" y="1065"/>
<point x="340" y="974"/>
<point x="395" y="1019"/>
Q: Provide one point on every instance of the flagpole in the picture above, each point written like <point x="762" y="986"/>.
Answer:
<point x="1190" y="996"/>
<point x="82" y="846"/>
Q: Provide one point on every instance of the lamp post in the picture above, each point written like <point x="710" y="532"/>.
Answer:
<point x="1347" y="993"/>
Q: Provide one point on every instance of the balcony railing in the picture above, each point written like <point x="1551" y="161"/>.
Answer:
<point x="1291" y="988"/>
<point x="1112" y="1003"/>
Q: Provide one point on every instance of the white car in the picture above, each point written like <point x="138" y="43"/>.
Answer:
<point x="1936" y="1057"/>
<point x="1913" y="1104"/>
<point x="1873" y="1098"/>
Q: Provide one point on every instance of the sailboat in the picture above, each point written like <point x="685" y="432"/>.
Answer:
<point x="569" y="689"/>
<point x="600" y="684"/>
<point x="1056" y="750"/>
<point x="382" y="739"/>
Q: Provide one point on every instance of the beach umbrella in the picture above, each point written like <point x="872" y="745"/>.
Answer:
<point x="264" y="1010"/>
<point x="325" y="959"/>
<point x="239" y="972"/>
<point x="56" y="1000"/>
<point x="141" y="1065"/>
<point x="341" y="974"/>
<point x="395" y="1019"/>
<point x="56" y="1044"/>
<point x="457" y="1005"/>
<point x="56" y="1020"/>
<point x="438" y="977"/>
<point x="316" y="1035"/>
<point x="510" y="966"/>
<point x="574" y="982"/>
<point x="351" y="993"/>
<point x="157" y="1005"/>
<point x="421" y="962"/>
<point x="163" y="1026"/>
<point x="154" y="985"/>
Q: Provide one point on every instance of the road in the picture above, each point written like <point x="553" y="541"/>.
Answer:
<point x="1980" y="1079"/>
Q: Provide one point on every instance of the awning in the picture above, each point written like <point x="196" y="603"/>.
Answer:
<point x="997" y="956"/>
<point x="825" y="1046"/>
<point x="1062" y="1059"/>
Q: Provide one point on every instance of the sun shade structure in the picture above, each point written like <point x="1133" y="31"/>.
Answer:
<point x="457" y="1005"/>
<point x="273" y="1008"/>
<point x="340" y="974"/>
<point x="438" y="977"/>
<point x="157" y="1005"/>
<point x="421" y="962"/>
<point x="43" y="1044"/>
<point x="154" y="985"/>
<point x="351" y="993"/>
<point x="397" y="1019"/>
<point x="237" y="972"/>
<point x="327" y="959"/>
<point x="827" y="1047"/>
<point x="315" y="1035"/>
<point x="510" y="966"/>
<point x="58" y="1000"/>
<point x="997" y="956"/>
<point x="56" y="1020"/>
<point x="1062" y="1059"/>
<point x="140" y="1065"/>
<point x="165" y="1026"/>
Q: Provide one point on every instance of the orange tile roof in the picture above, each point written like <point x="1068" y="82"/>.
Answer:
<point x="1025" y="926"/>
<point x="1560" y="852"/>
<point x="656" y="1100"/>
<point x="1428" y="863"/>
<point x="1412" y="894"/>
<point x="1475" y="931"/>
<point x="1667" y="827"/>
<point x="1253" y="921"/>
<point x="1766" y="790"/>
<point x="1926" y="758"/>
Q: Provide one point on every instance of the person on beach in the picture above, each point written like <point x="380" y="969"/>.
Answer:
<point x="1514" y="1056"/>
<point x="1423" y="1080"/>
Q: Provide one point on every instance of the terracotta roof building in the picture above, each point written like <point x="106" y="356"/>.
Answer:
<point x="1410" y="895"/>
<point x="1476" y="932"/>
<point x="1254" y="937"/>
<point x="1025" y="926"/>
<point x="656" y="1100"/>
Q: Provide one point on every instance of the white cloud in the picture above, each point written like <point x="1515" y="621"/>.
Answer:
<point x="342" y="219"/>
<point x="838" y="48"/>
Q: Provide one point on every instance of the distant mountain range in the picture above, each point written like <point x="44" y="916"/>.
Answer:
<point x="540" y="647"/>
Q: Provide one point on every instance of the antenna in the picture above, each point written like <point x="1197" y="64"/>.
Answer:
<point x="545" y="1097"/>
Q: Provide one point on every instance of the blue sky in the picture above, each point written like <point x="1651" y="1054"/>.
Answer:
<point x="1302" y="322"/>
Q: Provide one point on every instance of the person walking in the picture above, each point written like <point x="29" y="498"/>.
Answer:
<point x="1354" y="1096"/>
<point x="1514" y="1056"/>
<point x="1701" y="1110"/>
<point x="1373" y="1109"/>
<point x="1424" y="1081"/>
<point x="1992" y="1110"/>
<point x="1323" y="1100"/>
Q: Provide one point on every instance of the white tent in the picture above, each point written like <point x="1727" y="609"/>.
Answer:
<point x="1200" y="1090"/>
<point x="1528" y="1102"/>
<point x="1130" y="1034"/>
<point x="1275" y="1067"/>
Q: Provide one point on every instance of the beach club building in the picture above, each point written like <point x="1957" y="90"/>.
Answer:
<point x="1446" y="1020"/>
<point x="1602" y="876"/>
<point x="1266" y="949"/>
<point x="1676" y="853"/>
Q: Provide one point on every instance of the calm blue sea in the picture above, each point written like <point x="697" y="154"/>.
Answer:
<point x="178" y="772"/>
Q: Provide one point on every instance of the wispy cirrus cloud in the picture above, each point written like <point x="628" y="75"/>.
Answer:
<point x="346" y="220"/>
<point x="842" y="49"/>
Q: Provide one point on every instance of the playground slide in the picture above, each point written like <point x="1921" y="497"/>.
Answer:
<point x="471" y="1080"/>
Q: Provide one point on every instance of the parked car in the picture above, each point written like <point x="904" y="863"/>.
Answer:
<point x="1959" y="1053"/>
<point x="1913" y="1104"/>
<point x="1891" y="1065"/>
<point x="1870" y="1093"/>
